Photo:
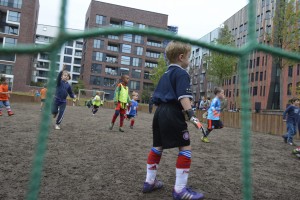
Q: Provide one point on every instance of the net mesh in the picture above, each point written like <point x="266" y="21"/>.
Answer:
<point x="242" y="53"/>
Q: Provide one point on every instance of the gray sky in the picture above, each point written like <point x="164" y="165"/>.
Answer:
<point x="194" y="19"/>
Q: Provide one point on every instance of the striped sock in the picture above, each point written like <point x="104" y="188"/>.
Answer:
<point x="152" y="164"/>
<point x="183" y="165"/>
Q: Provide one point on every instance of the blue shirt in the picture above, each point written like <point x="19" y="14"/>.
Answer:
<point x="214" y="110"/>
<point x="292" y="114"/>
<point x="173" y="86"/>
<point x="133" y="108"/>
<point x="63" y="89"/>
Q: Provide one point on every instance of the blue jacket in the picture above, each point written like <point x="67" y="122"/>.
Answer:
<point x="214" y="110"/>
<point x="63" y="89"/>
<point x="292" y="114"/>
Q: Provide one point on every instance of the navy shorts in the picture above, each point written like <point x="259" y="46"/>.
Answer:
<point x="214" y="124"/>
<point x="169" y="127"/>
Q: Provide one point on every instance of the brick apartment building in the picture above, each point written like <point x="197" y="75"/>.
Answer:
<point x="106" y="58"/>
<point x="18" y="26"/>
<point x="263" y="90"/>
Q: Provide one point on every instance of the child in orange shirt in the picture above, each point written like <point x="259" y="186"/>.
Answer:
<point x="43" y="93"/>
<point x="4" y="96"/>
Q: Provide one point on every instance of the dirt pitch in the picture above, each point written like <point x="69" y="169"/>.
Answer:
<point x="86" y="161"/>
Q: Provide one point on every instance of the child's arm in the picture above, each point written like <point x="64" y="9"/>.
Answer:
<point x="285" y="112"/>
<point x="187" y="107"/>
<point x="116" y="95"/>
<point x="70" y="92"/>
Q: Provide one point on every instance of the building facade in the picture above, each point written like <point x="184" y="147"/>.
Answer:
<point x="70" y="55"/>
<point x="262" y="75"/>
<point x="106" y="58"/>
<point x="18" y="26"/>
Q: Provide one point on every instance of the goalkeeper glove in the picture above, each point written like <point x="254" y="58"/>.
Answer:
<point x="190" y="115"/>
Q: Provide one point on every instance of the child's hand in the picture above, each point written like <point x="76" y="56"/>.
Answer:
<point x="64" y="66"/>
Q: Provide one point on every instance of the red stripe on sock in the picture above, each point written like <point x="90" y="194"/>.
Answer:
<point x="153" y="158"/>
<point x="183" y="162"/>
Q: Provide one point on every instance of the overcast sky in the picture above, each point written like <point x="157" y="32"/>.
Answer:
<point x="194" y="18"/>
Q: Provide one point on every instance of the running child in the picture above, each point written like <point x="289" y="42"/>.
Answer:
<point x="213" y="114"/>
<point x="4" y="96"/>
<point x="121" y="99"/>
<point x="96" y="103"/>
<point x="63" y="89"/>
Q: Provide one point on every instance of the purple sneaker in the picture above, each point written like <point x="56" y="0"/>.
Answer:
<point x="187" y="193"/>
<point x="151" y="187"/>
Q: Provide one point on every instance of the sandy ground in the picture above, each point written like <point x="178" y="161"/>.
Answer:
<point x="86" y="161"/>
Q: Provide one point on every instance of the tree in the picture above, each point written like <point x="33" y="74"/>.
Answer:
<point x="157" y="72"/>
<point x="219" y="65"/>
<point x="78" y="86"/>
<point x="285" y="35"/>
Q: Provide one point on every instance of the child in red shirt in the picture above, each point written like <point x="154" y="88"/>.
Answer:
<point x="4" y="96"/>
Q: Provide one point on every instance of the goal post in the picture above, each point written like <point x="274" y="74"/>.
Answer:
<point x="85" y="94"/>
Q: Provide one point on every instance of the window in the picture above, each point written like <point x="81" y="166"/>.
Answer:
<point x="128" y="24"/>
<point x="261" y="76"/>
<point x="68" y="51"/>
<point x="250" y="63"/>
<point x="10" y="41"/>
<point x="97" y="56"/>
<point x="44" y="56"/>
<point x="126" y="48"/>
<point x="260" y="91"/>
<point x="290" y="72"/>
<point x="98" y="44"/>
<point x="109" y="82"/>
<point x="139" y="51"/>
<point x="124" y="70"/>
<point x="268" y="14"/>
<point x="101" y="20"/>
<point x="134" y="85"/>
<point x="265" y="76"/>
<point x="69" y="44"/>
<point x="257" y="61"/>
<point x="252" y="77"/>
<point x="137" y="62"/>
<point x="142" y="26"/>
<point x="255" y="91"/>
<point x="146" y="75"/>
<point x="77" y="61"/>
<point x="76" y="69"/>
<point x="127" y="37"/>
<point x="11" y="3"/>
<point x="111" y="47"/>
<point x="10" y="29"/>
<point x="113" y="37"/>
<point x="111" y="71"/>
<point x="67" y="59"/>
<point x="14" y="16"/>
<point x="125" y="60"/>
<point x="136" y="73"/>
<point x="289" y="89"/>
<point x="148" y="86"/>
<point x="78" y="44"/>
<point x="256" y="76"/>
<point x="150" y="64"/>
<point x="95" y="80"/>
<point x="78" y="53"/>
<point x="5" y="69"/>
<point x="233" y="79"/>
<point x="139" y="39"/>
<point x="154" y="43"/>
<point x="96" y="68"/>
<point x="152" y="54"/>
<point x="111" y="59"/>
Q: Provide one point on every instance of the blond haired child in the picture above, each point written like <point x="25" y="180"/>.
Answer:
<point x="173" y="97"/>
<point x="131" y="112"/>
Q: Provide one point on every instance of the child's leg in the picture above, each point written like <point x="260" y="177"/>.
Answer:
<point x="122" y="116"/>
<point x="209" y="128"/>
<point x="132" y="122"/>
<point x="7" y="105"/>
<point x="152" y="164"/>
<point x="290" y="132"/>
<point x="115" y="116"/>
<point x="61" y="113"/>
<point x="54" y="110"/>
<point x="95" y="109"/>
<point x="183" y="165"/>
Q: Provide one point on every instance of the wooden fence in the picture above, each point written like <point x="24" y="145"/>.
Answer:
<point x="265" y="123"/>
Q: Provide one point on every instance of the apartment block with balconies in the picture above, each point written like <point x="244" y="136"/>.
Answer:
<point x="106" y="58"/>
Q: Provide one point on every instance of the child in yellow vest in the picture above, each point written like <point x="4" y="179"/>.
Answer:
<point x="96" y="102"/>
<point x="121" y="99"/>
